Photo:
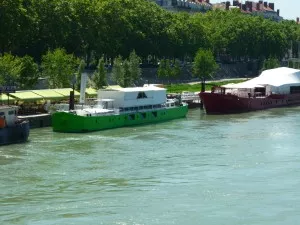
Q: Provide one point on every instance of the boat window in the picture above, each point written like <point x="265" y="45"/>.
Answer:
<point x="294" y="89"/>
<point x="11" y="112"/>
<point x="141" y="94"/>
<point x="2" y="113"/>
<point x="154" y="114"/>
<point x="131" y="116"/>
<point x="141" y="107"/>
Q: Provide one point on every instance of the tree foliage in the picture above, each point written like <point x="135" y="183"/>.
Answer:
<point x="59" y="67"/>
<point x="10" y="69"/>
<point x="118" y="72"/>
<point x="126" y="72"/>
<point x="204" y="65"/>
<point x="22" y="72"/>
<point x="99" y="77"/>
<point x="271" y="63"/>
<point x="29" y="73"/>
<point x="116" y="27"/>
<point x="134" y="67"/>
<point x="90" y="29"/>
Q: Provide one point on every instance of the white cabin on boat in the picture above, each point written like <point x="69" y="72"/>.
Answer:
<point x="8" y="115"/>
<point x="134" y="96"/>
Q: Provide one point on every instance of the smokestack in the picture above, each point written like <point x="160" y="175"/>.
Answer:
<point x="266" y="4"/>
<point x="244" y="7"/>
<point x="258" y="6"/>
<point x="207" y="1"/>
<point x="235" y="3"/>
<point x="298" y="20"/>
<point x="278" y="12"/>
<point x="227" y="5"/>
<point x="271" y="5"/>
<point x="250" y="6"/>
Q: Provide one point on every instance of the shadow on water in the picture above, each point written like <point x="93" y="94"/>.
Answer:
<point x="261" y="114"/>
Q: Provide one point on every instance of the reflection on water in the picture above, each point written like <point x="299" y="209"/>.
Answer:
<point x="203" y="169"/>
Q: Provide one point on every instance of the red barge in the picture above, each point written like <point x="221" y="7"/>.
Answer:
<point x="273" y="88"/>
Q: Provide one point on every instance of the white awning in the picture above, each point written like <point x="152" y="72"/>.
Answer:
<point x="273" y="77"/>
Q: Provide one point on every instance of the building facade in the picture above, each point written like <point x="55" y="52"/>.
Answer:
<point x="185" y="5"/>
<point x="260" y="8"/>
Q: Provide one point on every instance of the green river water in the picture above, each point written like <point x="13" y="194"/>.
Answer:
<point x="203" y="169"/>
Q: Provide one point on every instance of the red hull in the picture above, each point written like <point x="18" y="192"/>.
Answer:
<point x="216" y="103"/>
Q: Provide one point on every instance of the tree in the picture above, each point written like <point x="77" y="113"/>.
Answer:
<point x="10" y="68"/>
<point x="176" y="69"/>
<point x="99" y="77"/>
<point x="127" y="79"/>
<point x="271" y="63"/>
<point x="59" y="67"/>
<point x="164" y="69"/>
<point x="118" y="71"/>
<point x="126" y="73"/>
<point x="161" y="71"/>
<point x="16" y="25"/>
<point x="29" y="73"/>
<point x="134" y="67"/>
<point x="204" y="66"/>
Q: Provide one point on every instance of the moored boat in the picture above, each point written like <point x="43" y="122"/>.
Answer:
<point x="119" y="108"/>
<point x="191" y="98"/>
<point x="12" y="129"/>
<point x="273" y="88"/>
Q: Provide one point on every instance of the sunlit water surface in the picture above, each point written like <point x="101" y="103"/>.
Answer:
<point x="232" y="169"/>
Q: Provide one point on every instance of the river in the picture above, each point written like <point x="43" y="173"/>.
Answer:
<point x="203" y="169"/>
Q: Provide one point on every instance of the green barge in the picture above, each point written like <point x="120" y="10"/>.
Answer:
<point x="120" y="108"/>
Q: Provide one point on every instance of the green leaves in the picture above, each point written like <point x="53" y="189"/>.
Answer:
<point x="59" y="67"/>
<point x="10" y="69"/>
<point x="89" y="28"/>
<point x="169" y="70"/>
<point x="29" y="73"/>
<point x="99" y="77"/>
<point x="126" y="72"/>
<point x="118" y="71"/>
<point x="22" y="72"/>
<point x="271" y="63"/>
<point x="204" y="64"/>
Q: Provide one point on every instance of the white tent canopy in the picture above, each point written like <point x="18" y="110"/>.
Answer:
<point x="278" y="77"/>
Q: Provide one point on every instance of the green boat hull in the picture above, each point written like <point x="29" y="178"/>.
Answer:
<point x="71" y="123"/>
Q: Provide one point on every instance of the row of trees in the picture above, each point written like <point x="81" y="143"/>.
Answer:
<point x="57" y="39"/>
<point x="111" y="28"/>
<point x="64" y="70"/>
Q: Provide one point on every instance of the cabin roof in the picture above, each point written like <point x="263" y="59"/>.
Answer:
<point x="139" y="89"/>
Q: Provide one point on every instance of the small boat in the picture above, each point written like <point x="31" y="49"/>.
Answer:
<point x="12" y="129"/>
<point x="121" y="107"/>
<point x="191" y="98"/>
<point x="273" y="88"/>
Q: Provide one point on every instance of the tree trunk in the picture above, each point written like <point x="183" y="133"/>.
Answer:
<point x="203" y="85"/>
